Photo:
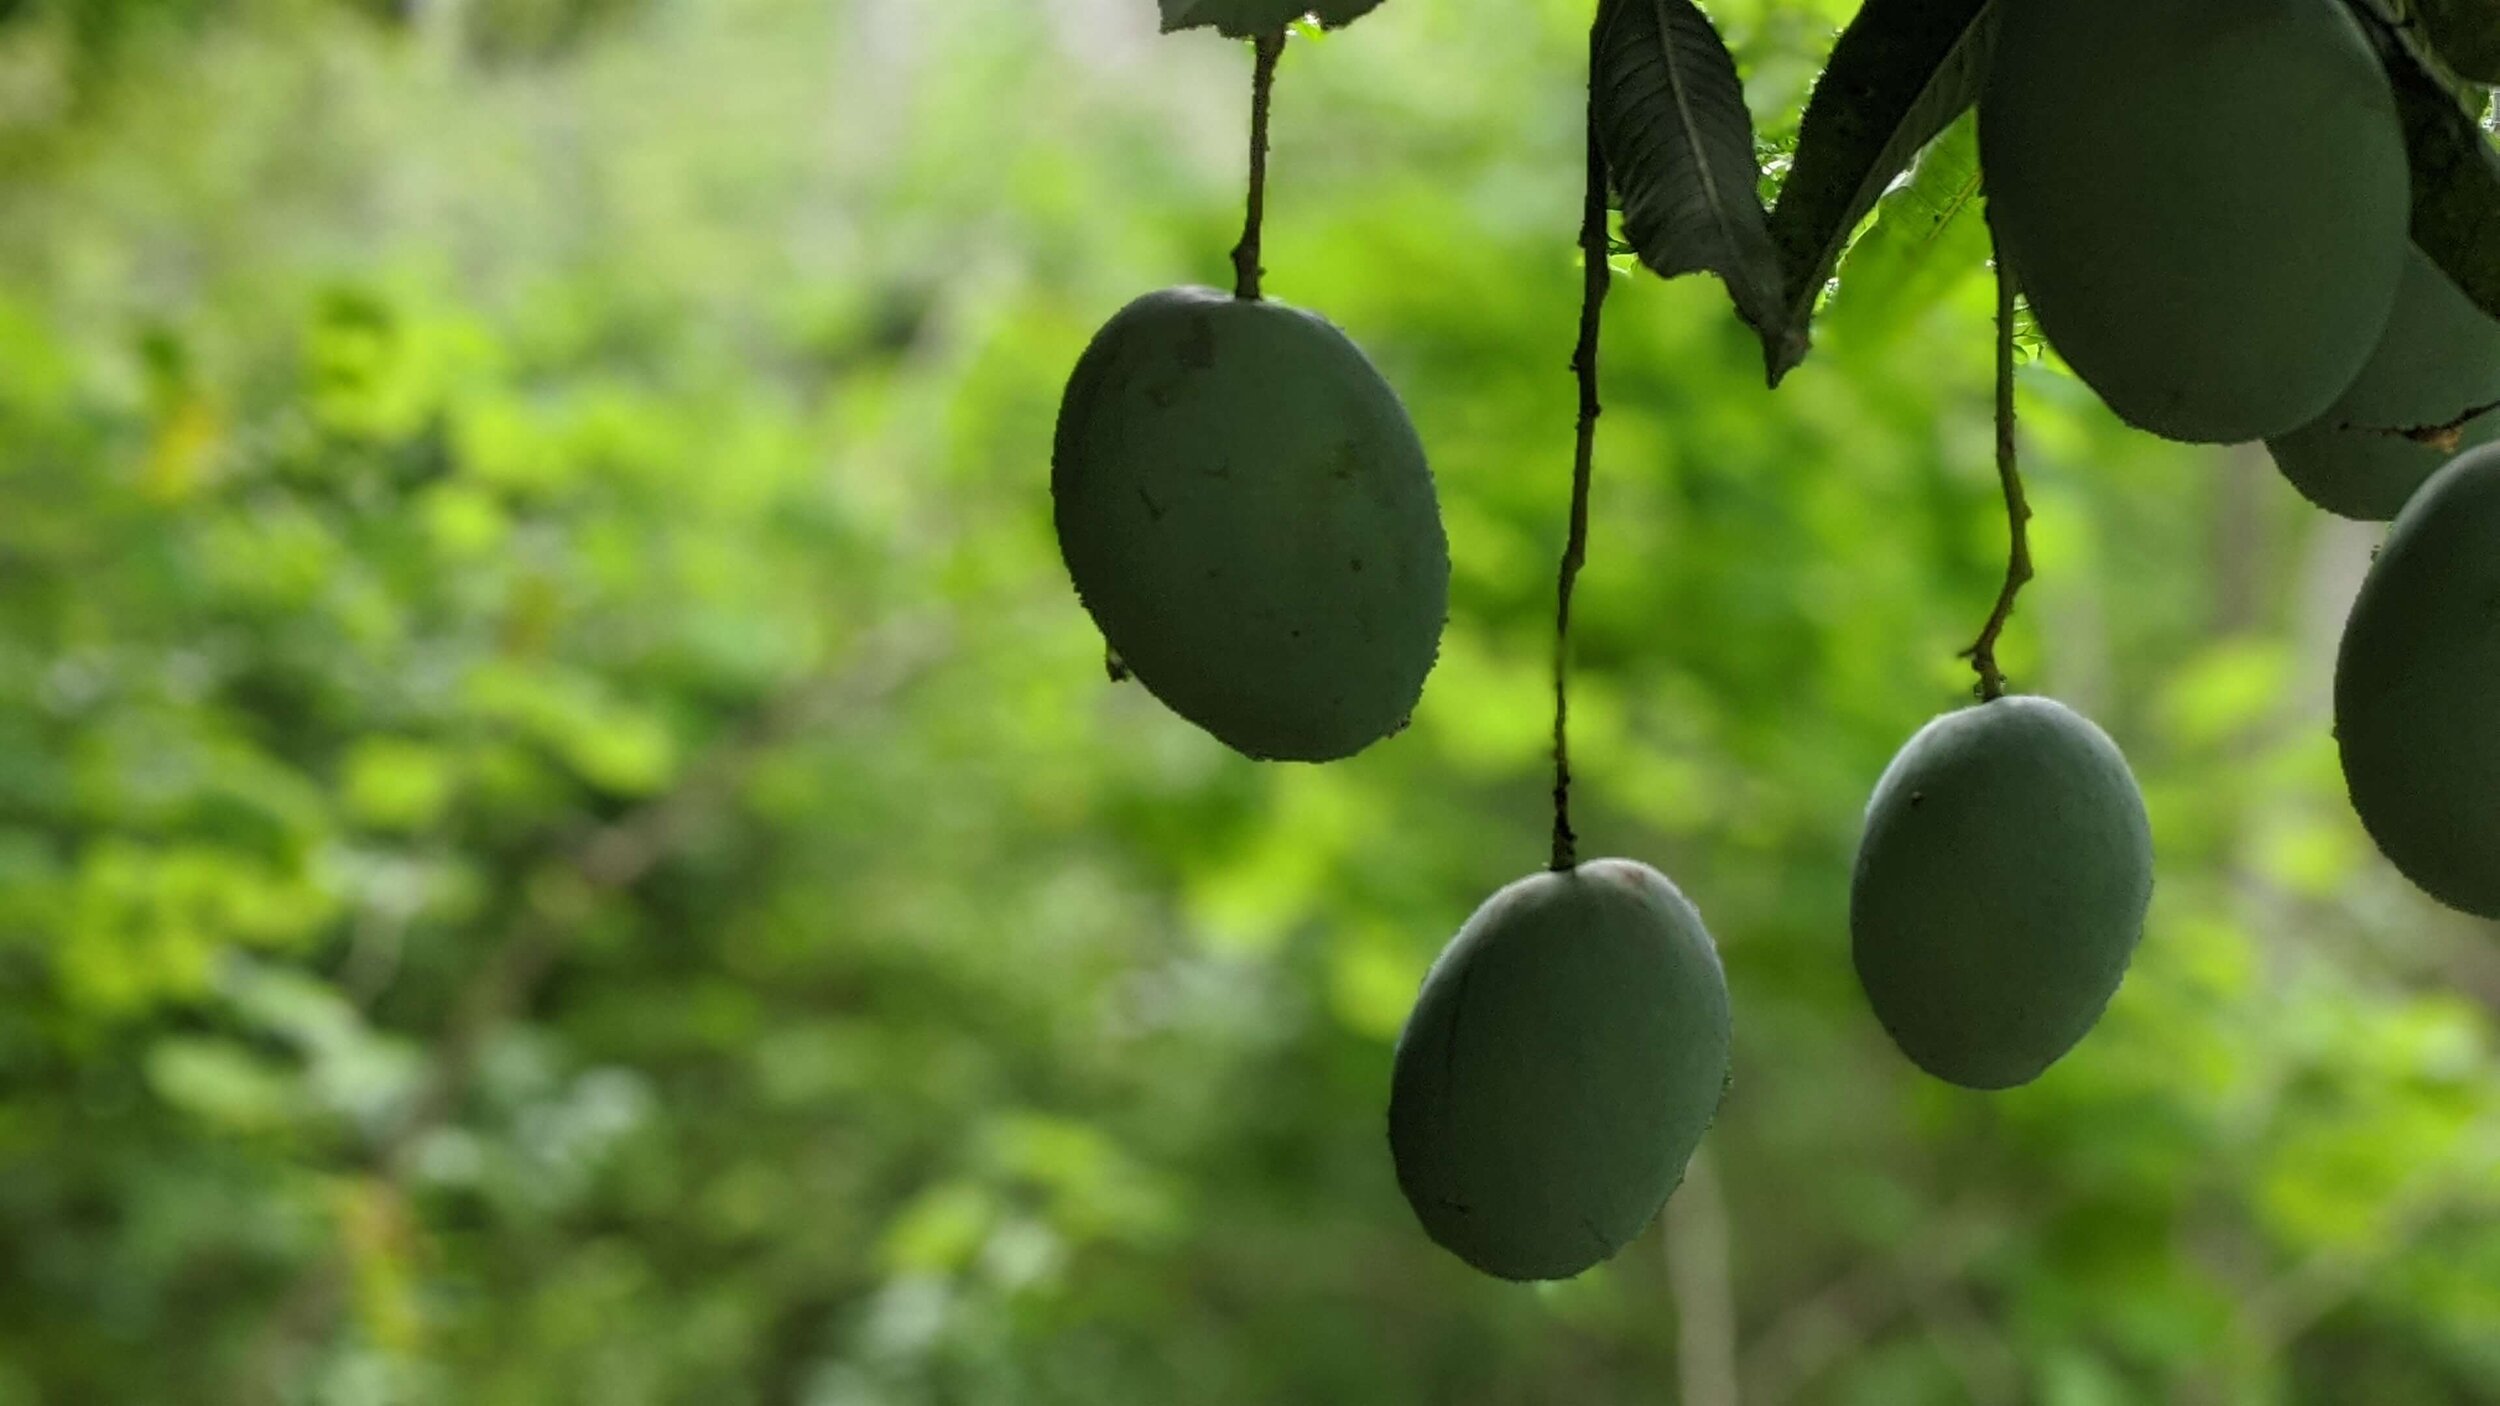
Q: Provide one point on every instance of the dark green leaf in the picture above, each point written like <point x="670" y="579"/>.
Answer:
<point x="1678" y="141"/>
<point x="2466" y="35"/>
<point x="1902" y="71"/>
<point x="2456" y="178"/>
<point x="1243" y="19"/>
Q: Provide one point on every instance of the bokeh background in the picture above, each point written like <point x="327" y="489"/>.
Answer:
<point x="564" y="839"/>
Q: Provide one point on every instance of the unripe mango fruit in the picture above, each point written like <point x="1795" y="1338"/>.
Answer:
<point x="2438" y="359"/>
<point x="2000" y="889"/>
<point x="2205" y="201"/>
<point x="1568" y="1051"/>
<point x="1245" y="509"/>
<point x="2416" y="683"/>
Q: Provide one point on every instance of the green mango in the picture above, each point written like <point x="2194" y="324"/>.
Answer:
<point x="2438" y="359"/>
<point x="2000" y="889"/>
<point x="2206" y="202"/>
<point x="1567" y="1053"/>
<point x="1245" y="510"/>
<point x="2416" y="680"/>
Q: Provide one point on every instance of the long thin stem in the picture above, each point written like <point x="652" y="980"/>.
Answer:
<point x="1983" y="653"/>
<point x="1267" y="48"/>
<point x="1595" y="276"/>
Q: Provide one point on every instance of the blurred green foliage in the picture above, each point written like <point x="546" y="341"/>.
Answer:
<point x="564" y="839"/>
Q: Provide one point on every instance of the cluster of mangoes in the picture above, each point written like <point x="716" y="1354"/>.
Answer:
<point x="2206" y="205"/>
<point x="2219" y="245"/>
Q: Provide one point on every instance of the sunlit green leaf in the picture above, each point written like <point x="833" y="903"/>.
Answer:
<point x="1901" y="73"/>
<point x="1928" y="234"/>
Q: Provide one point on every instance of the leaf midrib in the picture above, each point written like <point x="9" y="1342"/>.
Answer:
<point x="1685" y="123"/>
